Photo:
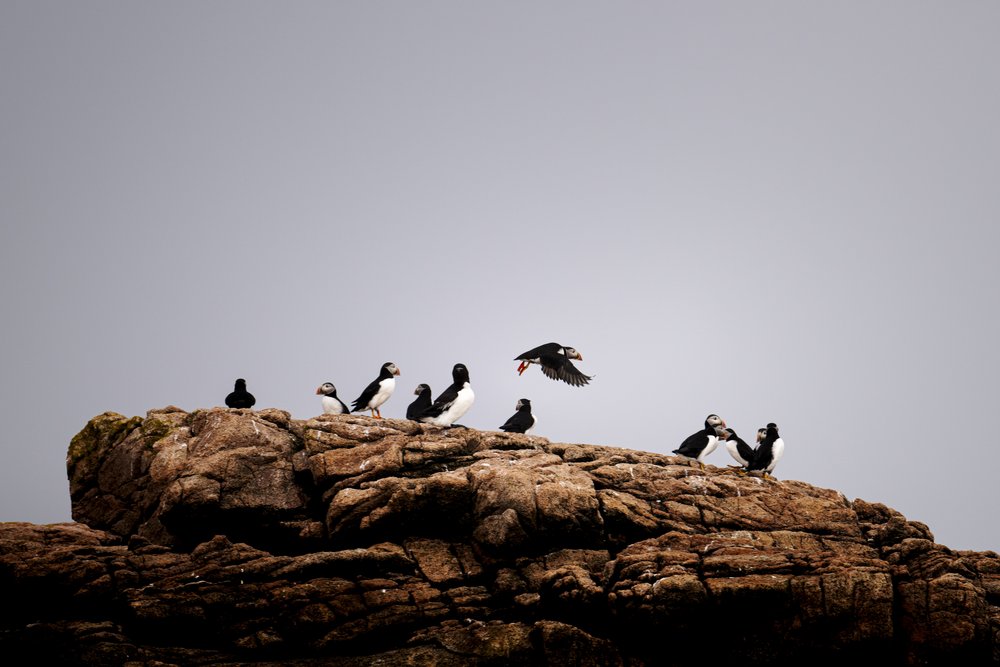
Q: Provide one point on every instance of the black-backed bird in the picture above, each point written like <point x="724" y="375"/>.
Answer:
<point x="240" y="397"/>
<point x="423" y="401"/>
<point x="453" y="402"/>
<point x="378" y="392"/>
<point x="699" y="445"/>
<point x="741" y="452"/>
<point x="554" y="360"/>
<point x="522" y="420"/>
<point x="331" y="404"/>
<point x="769" y="452"/>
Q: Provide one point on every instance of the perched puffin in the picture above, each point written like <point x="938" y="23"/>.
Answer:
<point x="522" y="421"/>
<point x="699" y="445"/>
<point x="378" y="392"/>
<point x="240" y="397"/>
<point x="555" y="362"/>
<point x="741" y="452"/>
<point x="418" y="406"/>
<point x="454" y="402"/>
<point x="331" y="404"/>
<point x="769" y="451"/>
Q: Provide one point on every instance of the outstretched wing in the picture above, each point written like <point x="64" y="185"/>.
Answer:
<point x="559" y="367"/>
<point x="540" y="351"/>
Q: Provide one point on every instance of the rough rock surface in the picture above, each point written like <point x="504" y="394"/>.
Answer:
<point x="231" y="536"/>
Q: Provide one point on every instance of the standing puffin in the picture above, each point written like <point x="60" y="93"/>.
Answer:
<point x="554" y="360"/>
<point x="699" y="445"/>
<point x="331" y="404"/>
<point x="522" y="421"/>
<point x="378" y="392"/>
<point x="741" y="452"/>
<point x="240" y="397"/>
<point x="769" y="451"/>
<point x="418" y="406"/>
<point x="454" y="402"/>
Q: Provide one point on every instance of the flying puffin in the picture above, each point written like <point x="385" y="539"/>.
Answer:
<point x="454" y="402"/>
<point x="378" y="392"/>
<point x="555" y="362"/>
<point x="331" y="404"/>
<point x="699" y="445"/>
<point x="418" y="406"/>
<point x="240" y="397"/>
<point x="738" y="448"/>
<point x="522" y="421"/>
<point x="769" y="451"/>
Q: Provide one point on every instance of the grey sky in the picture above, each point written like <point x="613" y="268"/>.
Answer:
<point x="776" y="211"/>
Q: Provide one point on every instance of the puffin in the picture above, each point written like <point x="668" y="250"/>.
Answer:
<point x="417" y="407"/>
<point x="453" y="402"/>
<point x="378" y="392"/>
<point x="769" y="451"/>
<point x="741" y="452"/>
<point x="522" y="421"/>
<point x="554" y="360"/>
<point x="331" y="404"/>
<point x="240" y="397"/>
<point x="699" y="445"/>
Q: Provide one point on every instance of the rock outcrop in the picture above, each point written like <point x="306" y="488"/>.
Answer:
<point x="231" y="536"/>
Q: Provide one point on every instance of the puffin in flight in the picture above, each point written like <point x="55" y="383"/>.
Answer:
<point x="378" y="392"/>
<point x="521" y="421"/>
<point x="699" y="445"/>
<point x="741" y="452"/>
<point x="240" y="397"/>
<point x="453" y="402"/>
<point x="554" y="360"/>
<point x="331" y="404"/>
<point x="769" y="451"/>
<point x="417" y="407"/>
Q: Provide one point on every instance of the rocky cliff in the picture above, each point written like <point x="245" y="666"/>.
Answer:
<point x="231" y="536"/>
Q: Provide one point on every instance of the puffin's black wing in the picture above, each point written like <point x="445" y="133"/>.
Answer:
<point x="417" y="407"/>
<point x="693" y="445"/>
<point x="442" y="403"/>
<point x="762" y="457"/>
<point x="232" y="400"/>
<point x="361" y="403"/>
<point x="744" y="450"/>
<point x="520" y="422"/>
<point x="540" y="351"/>
<point x="559" y="367"/>
<point x="344" y="410"/>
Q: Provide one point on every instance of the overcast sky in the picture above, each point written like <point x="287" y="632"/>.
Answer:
<point x="775" y="211"/>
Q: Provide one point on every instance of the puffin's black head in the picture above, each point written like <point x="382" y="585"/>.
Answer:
<point x="714" y="421"/>
<point x="241" y="385"/>
<point x="761" y="434"/>
<point x="572" y="354"/>
<point x="327" y="389"/>
<point x="772" y="429"/>
<point x="460" y="373"/>
<point x="522" y="404"/>
<point x="390" y="368"/>
<point x="422" y="389"/>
